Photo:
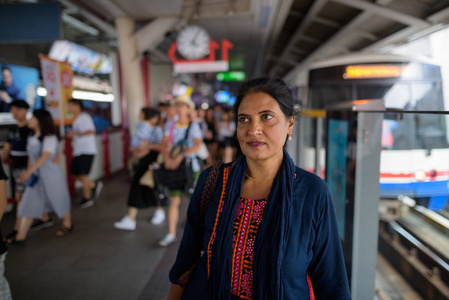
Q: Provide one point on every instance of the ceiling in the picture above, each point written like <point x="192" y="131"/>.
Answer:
<point x="270" y="37"/>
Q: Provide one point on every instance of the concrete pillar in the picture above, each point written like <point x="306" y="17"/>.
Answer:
<point x="131" y="71"/>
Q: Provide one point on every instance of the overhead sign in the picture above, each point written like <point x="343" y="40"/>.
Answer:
<point x="231" y="76"/>
<point x="208" y="64"/>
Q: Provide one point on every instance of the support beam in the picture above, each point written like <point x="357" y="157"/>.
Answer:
<point x="311" y="15"/>
<point x="385" y="12"/>
<point x="153" y="33"/>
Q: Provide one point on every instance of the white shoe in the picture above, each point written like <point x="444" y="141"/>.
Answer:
<point x="167" y="240"/>
<point x="125" y="224"/>
<point x="158" y="217"/>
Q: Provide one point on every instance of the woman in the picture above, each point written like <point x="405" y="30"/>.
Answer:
<point x="141" y="196"/>
<point x="49" y="192"/>
<point x="226" y="130"/>
<point x="174" y="133"/>
<point x="270" y="229"/>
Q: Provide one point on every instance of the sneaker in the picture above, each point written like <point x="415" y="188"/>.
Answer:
<point x="39" y="224"/>
<point x="167" y="240"/>
<point x="125" y="224"/>
<point x="96" y="190"/>
<point x="84" y="203"/>
<point x="158" y="217"/>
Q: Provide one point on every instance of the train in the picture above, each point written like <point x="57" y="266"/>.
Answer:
<point x="415" y="149"/>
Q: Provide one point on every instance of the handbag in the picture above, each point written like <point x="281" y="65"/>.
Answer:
<point x="32" y="180"/>
<point x="147" y="179"/>
<point x="202" y="153"/>
<point x="177" y="292"/>
<point x="181" y="178"/>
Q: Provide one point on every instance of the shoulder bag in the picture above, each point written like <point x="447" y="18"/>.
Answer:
<point x="177" y="291"/>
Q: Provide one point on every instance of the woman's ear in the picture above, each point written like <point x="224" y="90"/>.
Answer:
<point x="291" y="123"/>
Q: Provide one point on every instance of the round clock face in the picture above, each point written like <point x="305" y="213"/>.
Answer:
<point x="193" y="42"/>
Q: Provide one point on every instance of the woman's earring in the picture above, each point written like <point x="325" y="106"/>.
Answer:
<point x="289" y="137"/>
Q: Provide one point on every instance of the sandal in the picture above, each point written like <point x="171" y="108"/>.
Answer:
<point x="14" y="241"/>
<point x="64" y="230"/>
<point x="10" y="235"/>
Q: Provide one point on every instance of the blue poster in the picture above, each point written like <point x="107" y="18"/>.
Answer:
<point x="336" y="169"/>
<point x="17" y="82"/>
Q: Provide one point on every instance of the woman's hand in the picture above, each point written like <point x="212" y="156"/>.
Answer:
<point x="25" y="175"/>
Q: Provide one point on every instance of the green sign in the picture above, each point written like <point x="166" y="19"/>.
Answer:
<point x="231" y="76"/>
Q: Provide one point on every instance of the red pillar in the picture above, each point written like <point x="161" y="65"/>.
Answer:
<point x="146" y="79"/>
<point x="106" y="160"/>
<point x="125" y="133"/>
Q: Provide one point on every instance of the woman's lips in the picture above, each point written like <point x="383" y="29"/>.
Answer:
<point x="255" y="144"/>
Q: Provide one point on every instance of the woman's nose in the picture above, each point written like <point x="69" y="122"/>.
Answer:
<point x="255" y="128"/>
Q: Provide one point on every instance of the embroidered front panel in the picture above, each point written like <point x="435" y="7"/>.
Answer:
<point x="217" y="217"/>
<point x="247" y="220"/>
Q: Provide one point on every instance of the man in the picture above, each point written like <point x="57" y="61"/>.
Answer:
<point x="8" y="90"/>
<point x="16" y="149"/>
<point x="85" y="149"/>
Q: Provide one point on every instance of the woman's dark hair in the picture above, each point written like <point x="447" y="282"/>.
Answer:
<point x="276" y="88"/>
<point x="46" y="123"/>
<point x="77" y="102"/>
<point x="149" y="113"/>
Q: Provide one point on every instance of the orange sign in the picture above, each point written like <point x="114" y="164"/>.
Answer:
<point x="373" y="71"/>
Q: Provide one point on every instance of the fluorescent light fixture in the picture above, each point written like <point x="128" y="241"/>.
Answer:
<point x="82" y="95"/>
<point x="41" y="91"/>
<point x="79" y="25"/>
<point x="427" y="31"/>
<point x="94" y="96"/>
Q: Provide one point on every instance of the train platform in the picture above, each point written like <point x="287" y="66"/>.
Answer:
<point x="96" y="261"/>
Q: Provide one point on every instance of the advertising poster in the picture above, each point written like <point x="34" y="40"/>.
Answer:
<point x="336" y="169"/>
<point x="17" y="82"/>
<point x="58" y="80"/>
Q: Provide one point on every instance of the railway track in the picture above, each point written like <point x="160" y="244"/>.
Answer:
<point x="417" y="245"/>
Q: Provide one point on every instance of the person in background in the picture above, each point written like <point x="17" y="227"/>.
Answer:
<point x="211" y="136"/>
<point x="85" y="149"/>
<point x="226" y="130"/>
<point x="141" y="196"/>
<point x="47" y="189"/>
<point x="174" y="133"/>
<point x="15" y="148"/>
<point x="270" y="230"/>
<point x="5" y="292"/>
<point x="8" y="90"/>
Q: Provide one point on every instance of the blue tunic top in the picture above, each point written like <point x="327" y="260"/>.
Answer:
<point x="313" y="249"/>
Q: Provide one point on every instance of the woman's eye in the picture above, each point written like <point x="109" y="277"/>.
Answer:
<point x="267" y="117"/>
<point x="242" y="119"/>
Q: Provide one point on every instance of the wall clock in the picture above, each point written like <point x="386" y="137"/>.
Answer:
<point x="193" y="42"/>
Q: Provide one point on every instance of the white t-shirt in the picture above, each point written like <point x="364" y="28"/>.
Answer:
<point x="84" y="144"/>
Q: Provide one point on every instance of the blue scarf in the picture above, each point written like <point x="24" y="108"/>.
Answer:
<point x="271" y="240"/>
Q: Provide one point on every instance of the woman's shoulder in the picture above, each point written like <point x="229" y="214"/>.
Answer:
<point x="306" y="179"/>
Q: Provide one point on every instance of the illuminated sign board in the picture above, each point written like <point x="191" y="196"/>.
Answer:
<point x="373" y="71"/>
<point x="231" y="76"/>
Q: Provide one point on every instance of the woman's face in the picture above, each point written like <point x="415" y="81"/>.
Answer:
<point x="33" y="123"/>
<point x="262" y="127"/>
<point x="141" y="116"/>
<point x="154" y="120"/>
<point x="182" y="109"/>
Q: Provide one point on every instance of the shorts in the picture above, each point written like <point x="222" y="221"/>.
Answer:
<point x="19" y="187"/>
<point x="82" y="164"/>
